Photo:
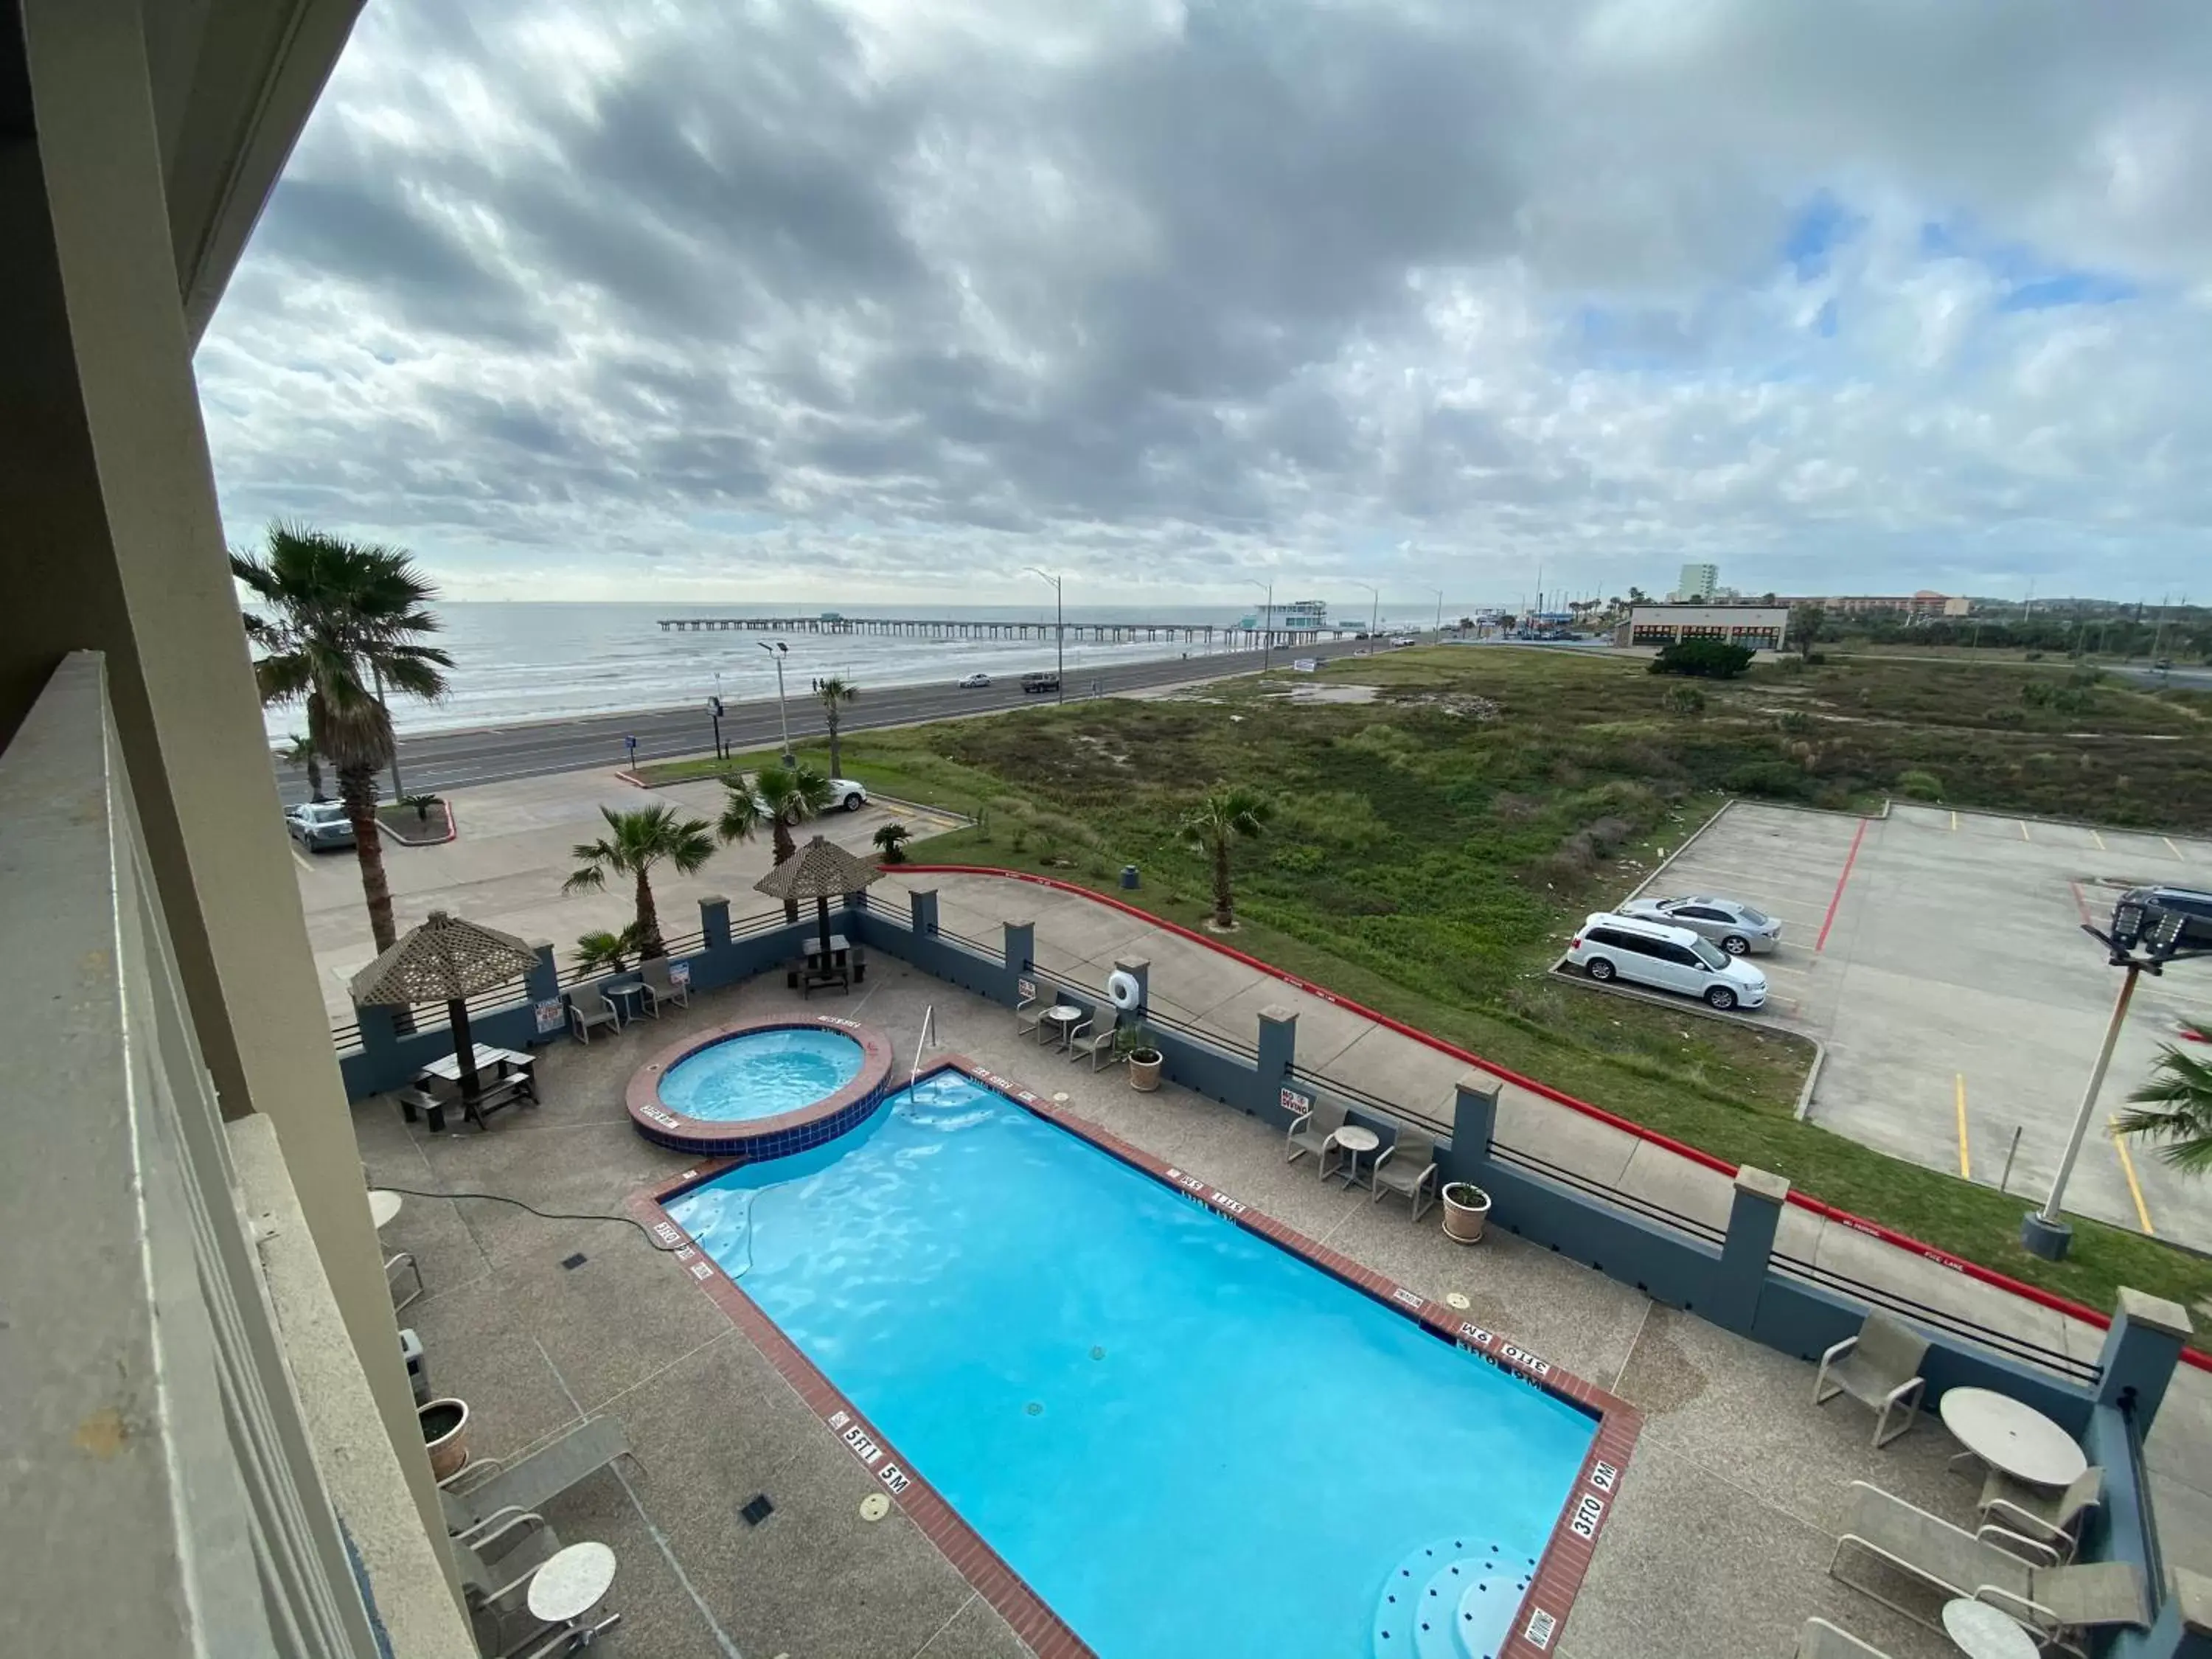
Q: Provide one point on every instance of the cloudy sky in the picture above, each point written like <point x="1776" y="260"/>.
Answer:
<point x="879" y="299"/>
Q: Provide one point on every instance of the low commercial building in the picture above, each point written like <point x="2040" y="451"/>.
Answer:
<point x="1759" y="627"/>
<point x="1911" y="607"/>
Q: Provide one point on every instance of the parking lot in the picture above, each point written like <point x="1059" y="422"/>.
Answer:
<point x="1938" y="957"/>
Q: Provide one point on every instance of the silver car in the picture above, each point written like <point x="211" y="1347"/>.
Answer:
<point x="1733" y="926"/>
<point x="319" y="826"/>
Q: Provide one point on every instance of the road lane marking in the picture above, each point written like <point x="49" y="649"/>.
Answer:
<point x="2099" y="839"/>
<point x="2134" y="1186"/>
<point x="1959" y="1096"/>
<point x="1837" y="897"/>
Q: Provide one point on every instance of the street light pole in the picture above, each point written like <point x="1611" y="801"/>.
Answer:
<point x="2048" y="1215"/>
<point x="1059" y="634"/>
<point x="376" y="674"/>
<point x="776" y="653"/>
<point x="1439" y="593"/>
<point x="1375" y="610"/>
<point x="1266" y="624"/>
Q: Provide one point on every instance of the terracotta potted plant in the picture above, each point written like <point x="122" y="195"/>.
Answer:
<point x="446" y="1432"/>
<point x="1467" y="1211"/>
<point x="1144" y="1059"/>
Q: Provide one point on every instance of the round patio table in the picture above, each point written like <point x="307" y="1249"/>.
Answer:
<point x="382" y="1207"/>
<point x="1355" y="1140"/>
<point x="2010" y="1437"/>
<point x="1982" y="1631"/>
<point x="572" y="1582"/>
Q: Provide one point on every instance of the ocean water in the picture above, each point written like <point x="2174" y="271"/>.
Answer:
<point x="1188" y="1441"/>
<point x="525" y="660"/>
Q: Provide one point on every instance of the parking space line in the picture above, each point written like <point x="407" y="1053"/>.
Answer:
<point x="2024" y="835"/>
<point x="2099" y="839"/>
<point x="2134" y="1186"/>
<point x="2172" y="848"/>
<point x="1837" y="897"/>
<point x="1958" y="1095"/>
<point x="1954" y="820"/>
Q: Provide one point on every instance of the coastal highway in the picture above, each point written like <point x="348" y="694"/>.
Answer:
<point x="430" y="760"/>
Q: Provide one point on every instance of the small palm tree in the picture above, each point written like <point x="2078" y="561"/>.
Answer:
<point x="422" y="803"/>
<point x="300" y="751"/>
<point x="2175" y="1107"/>
<point x="640" y="840"/>
<point x="338" y="622"/>
<point x="835" y="694"/>
<point x="777" y="797"/>
<point x="890" y="841"/>
<point x="1213" y="825"/>
<point x="601" y="949"/>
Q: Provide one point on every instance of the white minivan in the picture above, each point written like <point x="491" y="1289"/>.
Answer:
<point x="1608" y="946"/>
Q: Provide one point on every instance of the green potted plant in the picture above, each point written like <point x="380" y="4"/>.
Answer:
<point x="446" y="1435"/>
<point x="1135" y="1041"/>
<point x="1467" y="1211"/>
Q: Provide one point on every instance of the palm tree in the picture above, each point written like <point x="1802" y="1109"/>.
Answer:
<point x="300" y="752"/>
<point x="835" y="694"/>
<point x="641" y="839"/>
<point x="338" y="620"/>
<point x="601" y="948"/>
<point x="778" y="798"/>
<point x="1213" y="825"/>
<point x="2175" y="1106"/>
<point x="890" y="841"/>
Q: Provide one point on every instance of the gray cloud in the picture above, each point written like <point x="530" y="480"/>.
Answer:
<point x="931" y="293"/>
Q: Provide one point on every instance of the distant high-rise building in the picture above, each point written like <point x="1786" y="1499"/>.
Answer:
<point x="1698" y="582"/>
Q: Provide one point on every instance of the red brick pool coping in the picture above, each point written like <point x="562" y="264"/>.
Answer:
<point x="1542" y="1614"/>
<point x="776" y="1136"/>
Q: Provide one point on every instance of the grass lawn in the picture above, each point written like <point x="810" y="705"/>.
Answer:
<point x="1430" y="850"/>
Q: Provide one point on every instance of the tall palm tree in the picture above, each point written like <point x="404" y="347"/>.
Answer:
<point x="777" y="799"/>
<point x="2175" y="1107"/>
<point x="300" y="751"/>
<point x="835" y="694"/>
<point x="640" y="840"/>
<point x="1216" y="823"/>
<point x="335" y="618"/>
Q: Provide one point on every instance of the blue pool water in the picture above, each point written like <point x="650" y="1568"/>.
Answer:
<point x="761" y="1073"/>
<point x="1187" y="1441"/>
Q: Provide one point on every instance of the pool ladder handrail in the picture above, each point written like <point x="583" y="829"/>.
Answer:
<point x="928" y="1019"/>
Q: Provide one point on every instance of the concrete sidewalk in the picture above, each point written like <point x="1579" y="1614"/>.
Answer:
<point x="1079" y="937"/>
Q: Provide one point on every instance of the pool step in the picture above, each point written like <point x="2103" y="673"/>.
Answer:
<point x="1454" y="1599"/>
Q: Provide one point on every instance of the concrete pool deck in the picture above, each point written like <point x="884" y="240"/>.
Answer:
<point x="1717" y="1544"/>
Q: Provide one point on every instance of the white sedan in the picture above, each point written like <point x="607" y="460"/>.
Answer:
<point x="973" y="682"/>
<point x="849" y="793"/>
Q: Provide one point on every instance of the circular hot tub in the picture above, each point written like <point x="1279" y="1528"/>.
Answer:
<point x="764" y="1088"/>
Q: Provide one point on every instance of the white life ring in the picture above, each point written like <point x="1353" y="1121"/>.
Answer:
<point x="1123" y="990"/>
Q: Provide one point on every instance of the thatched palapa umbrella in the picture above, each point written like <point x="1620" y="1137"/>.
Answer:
<point x="819" y="871"/>
<point x="446" y="960"/>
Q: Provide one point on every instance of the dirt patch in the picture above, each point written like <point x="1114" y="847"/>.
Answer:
<point x="1460" y="705"/>
<point x="1335" y="694"/>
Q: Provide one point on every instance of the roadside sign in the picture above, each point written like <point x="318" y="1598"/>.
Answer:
<point x="1306" y="664"/>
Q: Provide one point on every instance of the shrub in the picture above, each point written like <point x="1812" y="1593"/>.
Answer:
<point x="1685" y="700"/>
<point x="1816" y="658"/>
<point x="2038" y="694"/>
<point x="1794" y="722"/>
<point x="1706" y="659"/>
<point x="2086" y="678"/>
<point x="1019" y="844"/>
<point x="1791" y="666"/>
<point x="1766" y="777"/>
<point x="1919" y="785"/>
<point x="1298" y="858"/>
<point x="2007" y="716"/>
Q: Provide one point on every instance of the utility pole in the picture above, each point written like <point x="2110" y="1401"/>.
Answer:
<point x="1059" y="635"/>
<point x="1375" y="611"/>
<point x="1266" y="623"/>
<point x="376" y="675"/>
<point x="776" y="653"/>
<point x="1439" y="593"/>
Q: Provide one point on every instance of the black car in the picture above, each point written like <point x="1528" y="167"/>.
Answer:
<point x="2162" y="920"/>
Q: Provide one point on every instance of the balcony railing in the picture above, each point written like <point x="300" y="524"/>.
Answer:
<point x="158" y="1492"/>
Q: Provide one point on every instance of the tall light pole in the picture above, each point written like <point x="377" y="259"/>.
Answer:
<point x="1439" y="593"/>
<point x="776" y="653"/>
<point x="1266" y="623"/>
<point x="1059" y="632"/>
<point x="399" y="789"/>
<point x="2149" y="930"/>
<point x="1375" y="613"/>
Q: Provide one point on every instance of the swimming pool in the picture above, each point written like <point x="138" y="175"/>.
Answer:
<point x="765" y="1087"/>
<point x="1184" y="1438"/>
<point x="757" y="1074"/>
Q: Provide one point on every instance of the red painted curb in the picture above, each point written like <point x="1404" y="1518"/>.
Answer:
<point x="1958" y="1264"/>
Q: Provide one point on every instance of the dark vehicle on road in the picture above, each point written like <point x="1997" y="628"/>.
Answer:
<point x="1044" y="682"/>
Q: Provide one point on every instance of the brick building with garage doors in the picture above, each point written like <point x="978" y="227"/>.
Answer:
<point x="1760" y="627"/>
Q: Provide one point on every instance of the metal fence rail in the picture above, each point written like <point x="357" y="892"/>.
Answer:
<point x="1371" y="1101"/>
<point x="1619" y="1199"/>
<point x="2003" y="1342"/>
<point x="1152" y="1016"/>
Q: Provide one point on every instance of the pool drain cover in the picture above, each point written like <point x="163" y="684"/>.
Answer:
<point x="1035" y="1408"/>
<point x="875" y="1506"/>
<point x="1454" y="1299"/>
<point x="756" y="1509"/>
